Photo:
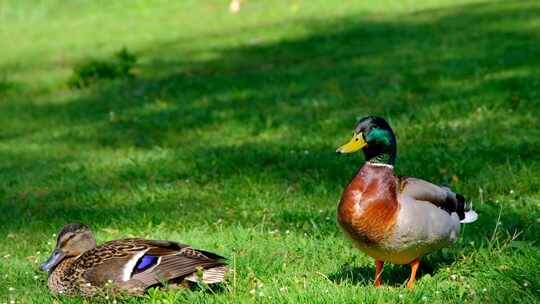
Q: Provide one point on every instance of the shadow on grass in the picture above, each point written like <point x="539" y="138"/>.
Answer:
<point x="365" y="275"/>
<point x="393" y="275"/>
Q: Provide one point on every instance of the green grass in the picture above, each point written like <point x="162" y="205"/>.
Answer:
<point x="225" y="139"/>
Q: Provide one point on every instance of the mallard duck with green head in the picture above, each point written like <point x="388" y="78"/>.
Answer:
<point x="78" y="267"/>
<point x="390" y="218"/>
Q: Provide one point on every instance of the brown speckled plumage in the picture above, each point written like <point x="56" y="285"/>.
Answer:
<point x="111" y="267"/>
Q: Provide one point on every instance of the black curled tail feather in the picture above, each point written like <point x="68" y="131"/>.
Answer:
<point x="460" y="208"/>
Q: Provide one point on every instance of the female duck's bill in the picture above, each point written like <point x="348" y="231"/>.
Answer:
<point x="56" y="257"/>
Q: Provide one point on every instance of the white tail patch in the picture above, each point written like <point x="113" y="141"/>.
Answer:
<point x="470" y="216"/>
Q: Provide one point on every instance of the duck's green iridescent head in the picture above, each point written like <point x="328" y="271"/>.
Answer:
<point x="375" y="138"/>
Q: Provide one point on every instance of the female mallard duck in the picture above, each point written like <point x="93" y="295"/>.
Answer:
<point x="77" y="266"/>
<point x="390" y="218"/>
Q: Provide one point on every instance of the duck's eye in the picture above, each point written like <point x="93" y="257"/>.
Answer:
<point x="356" y="139"/>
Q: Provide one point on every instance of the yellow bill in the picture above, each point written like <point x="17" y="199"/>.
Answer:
<point x="355" y="144"/>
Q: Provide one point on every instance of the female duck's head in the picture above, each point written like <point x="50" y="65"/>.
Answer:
<point x="375" y="138"/>
<point x="73" y="240"/>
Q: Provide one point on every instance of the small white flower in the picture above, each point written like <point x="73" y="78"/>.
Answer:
<point x="88" y="284"/>
<point x="424" y="298"/>
<point x="525" y="284"/>
<point x="287" y="232"/>
<point x="106" y="297"/>
<point x="327" y="218"/>
<point x="38" y="253"/>
<point x="283" y="289"/>
<point x="6" y="256"/>
<point x="36" y="277"/>
<point x="11" y="289"/>
<point x="54" y="235"/>
<point x="114" y="301"/>
<point x="306" y="152"/>
<point x="252" y="291"/>
<point x="109" y="281"/>
<point x="484" y="290"/>
<point x="260" y="285"/>
<point x="12" y="302"/>
<point x="453" y="277"/>
<point x="261" y="294"/>
<point x="400" y="296"/>
<point x="511" y="191"/>
<point x="49" y="243"/>
<point x="437" y="292"/>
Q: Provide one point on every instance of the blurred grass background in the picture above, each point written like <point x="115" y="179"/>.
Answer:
<point x="225" y="138"/>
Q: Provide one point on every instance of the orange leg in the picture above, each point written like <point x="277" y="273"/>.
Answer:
<point x="414" y="268"/>
<point x="378" y="272"/>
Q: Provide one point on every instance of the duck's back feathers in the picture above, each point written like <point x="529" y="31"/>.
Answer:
<point x="136" y="264"/>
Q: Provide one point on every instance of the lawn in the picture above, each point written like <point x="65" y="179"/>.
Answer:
<point x="225" y="139"/>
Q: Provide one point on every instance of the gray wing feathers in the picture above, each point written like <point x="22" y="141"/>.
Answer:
<point x="441" y="197"/>
<point x="422" y="190"/>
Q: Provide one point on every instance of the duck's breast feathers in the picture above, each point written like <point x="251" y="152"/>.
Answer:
<point x="368" y="206"/>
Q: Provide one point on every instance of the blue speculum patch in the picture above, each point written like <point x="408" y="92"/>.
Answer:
<point x="146" y="261"/>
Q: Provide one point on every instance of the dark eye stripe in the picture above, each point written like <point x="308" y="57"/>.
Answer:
<point x="63" y="242"/>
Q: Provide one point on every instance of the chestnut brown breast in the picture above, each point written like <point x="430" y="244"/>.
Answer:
<point x="368" y="207"/>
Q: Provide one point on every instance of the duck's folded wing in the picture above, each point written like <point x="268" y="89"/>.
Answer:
<point x="441" y="197"/>
<point x="136" y="264"/>
<point x="112" y="261"/>
<point x="177" y="264"/>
